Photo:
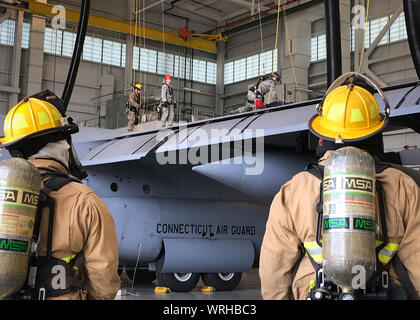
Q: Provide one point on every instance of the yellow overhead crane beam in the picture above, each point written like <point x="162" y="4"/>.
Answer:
<point x="204" y="42"/>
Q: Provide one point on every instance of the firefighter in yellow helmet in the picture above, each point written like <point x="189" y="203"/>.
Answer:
<point x="82" y="238"/>
<point x="133" y="107"/>
<point x="291" y="262"/>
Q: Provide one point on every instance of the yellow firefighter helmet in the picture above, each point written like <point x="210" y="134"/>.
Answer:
<point x="138" y="86"/>
<point x="31" y="118"/>
<point x="349" y="111"/>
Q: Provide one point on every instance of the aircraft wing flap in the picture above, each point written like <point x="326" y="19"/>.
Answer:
<point x="128" y="148"/>
<point x="206" y="134"/>
<point x="403" y="101"/>
<point x="284" y="121"/>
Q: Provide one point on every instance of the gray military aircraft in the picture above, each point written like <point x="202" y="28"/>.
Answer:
<point x="193" y="200"/>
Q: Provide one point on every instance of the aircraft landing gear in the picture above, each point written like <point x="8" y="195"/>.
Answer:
<point x="222" y="281"/>
<point x="178" y="282"/>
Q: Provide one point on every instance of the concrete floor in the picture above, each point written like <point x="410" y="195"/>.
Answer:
<point x="248" y="289"/>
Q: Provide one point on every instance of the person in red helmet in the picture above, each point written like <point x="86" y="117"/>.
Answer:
<point x="168" y="101"/>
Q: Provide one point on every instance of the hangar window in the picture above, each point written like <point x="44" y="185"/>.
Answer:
<point x="53" y="40"/>
<point x="148" y="60"/>
<point x="69" y="39"/>
<point x="396" y="32"/>
<point x="211" y="72"/>
<point x="123" y="48"/>
<point x="375" y="27"/>
<point x="92" y="49"/>
<point x="179" y="67"/>
<point x="114" y="53"/>
<point x="136" y="58"/>
<point x="229" y="73"/>
<point x="7" y="32"/>
<point x="318" y="48"/>
<point x="239" y="68"/>
<point x="199" y="70"/>
<point x="165" y="63"/>
<point x="26" y="30"/>
<point x="111" y="53"/>
<point x="266" y="62"/>
<point x="250" y="67"/>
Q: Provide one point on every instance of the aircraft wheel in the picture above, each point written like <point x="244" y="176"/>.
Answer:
<point x="141" y="276"/>
<point x="222" y="281"/>
<point x="178" y="282"/>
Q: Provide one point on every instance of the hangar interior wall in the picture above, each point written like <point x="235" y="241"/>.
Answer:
<point x="96" y="81"/>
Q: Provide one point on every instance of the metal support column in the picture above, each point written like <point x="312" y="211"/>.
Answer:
<point x="332" y="18"/>
<point x="412" y="19"/>
<point x="16" y="59"/>
<point x="220" y="81"/>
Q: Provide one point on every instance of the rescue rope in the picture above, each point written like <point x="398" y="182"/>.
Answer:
<point x="277" y="26"/>
<point x="261" y="34"/>
<point x="286" y="30"/>
<point x="144" y="46"/>
<point x="55" y="55"/>
<point x="163" y="32"/>
<point x="135" y="32"/>
<point x="135" y="269"/>
<point x="364" y="36"/>
<point x="275" y="53"/>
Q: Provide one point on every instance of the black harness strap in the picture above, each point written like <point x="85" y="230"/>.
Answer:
<point x="171" y="92"/>
<point x="404" y="278"/>
<point x="254" y="89"/>
<point x="382" y="216"/>
<point x="54" y="182"/>
<point x="318" y="171"/>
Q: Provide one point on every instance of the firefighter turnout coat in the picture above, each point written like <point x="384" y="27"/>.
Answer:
<point x="82" y="223"/>
<point x="292" y="224"/>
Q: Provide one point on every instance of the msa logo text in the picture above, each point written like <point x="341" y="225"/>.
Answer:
<point x="30" y="199"/>
<point x="348" y="183"/>
<point x="8" y="195"/>
<point x="13" y="245"/>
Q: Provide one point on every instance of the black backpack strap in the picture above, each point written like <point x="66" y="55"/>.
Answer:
<point x="381" y="166"/>
<point x="73" y="268"/>
<point x="54" y="182"/>
<point x="415" y="175"/>
<point x="318" y="171"/>
<point x="254" y="88"/>
<point x="404" y="278"/>
<point x="384" y="228"/>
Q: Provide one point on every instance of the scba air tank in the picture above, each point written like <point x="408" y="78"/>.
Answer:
<point x="19" y="194"/>
<point x="348" y="248"/>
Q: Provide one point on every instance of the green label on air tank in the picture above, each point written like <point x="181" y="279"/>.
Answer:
<point x="336" y="223"/>
<point x="13" y="245"/>
<point x="363" y="224"/>
<point x="349" y="224"/>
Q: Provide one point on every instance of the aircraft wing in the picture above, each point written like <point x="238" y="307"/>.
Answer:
<point x="281" y="120"/>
